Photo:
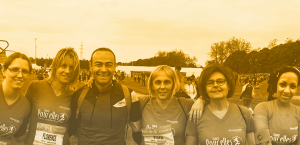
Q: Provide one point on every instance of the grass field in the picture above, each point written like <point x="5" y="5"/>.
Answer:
<point x="261" y="95"/>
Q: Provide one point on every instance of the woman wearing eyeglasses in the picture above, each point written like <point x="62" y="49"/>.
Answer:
<point x="51" y="101"/>
<point x="14" y="107"/>
<point x="222" y="122"/>
<point x="277" y="122"/>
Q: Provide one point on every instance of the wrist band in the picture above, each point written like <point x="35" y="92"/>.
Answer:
<point x="262" y="136"/>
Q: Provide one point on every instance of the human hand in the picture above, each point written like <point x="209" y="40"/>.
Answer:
<point x="134" y="97"/>
<point x="196" y="110"/>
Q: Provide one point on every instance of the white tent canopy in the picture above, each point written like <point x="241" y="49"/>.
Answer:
<point x="34" y="66"/>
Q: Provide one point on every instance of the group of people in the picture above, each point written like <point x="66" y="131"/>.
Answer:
<point x="99" y="114"/>
<point x="84" y="75"/>
<point x="138" y="77"/>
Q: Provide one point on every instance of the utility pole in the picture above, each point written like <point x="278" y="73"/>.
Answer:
<point x="81" y="52"/>
<point x="35" y="47"/>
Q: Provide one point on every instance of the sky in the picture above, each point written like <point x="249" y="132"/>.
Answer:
<point x="138" y="29"/>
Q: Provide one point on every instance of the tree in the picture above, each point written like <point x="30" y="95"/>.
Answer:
<point x="40" y="62"/>
<point x="235" y="44"/>
<point x="221" y="50"/>
<point x="208" y="62"/>
<point x="272" y="43"/>
<point x="288" y="40"/>
<point x="172" y="58"/>
<point x="84" y="64"/>
<point x="32" y="60"/>
<point x="233" y="60"/>
<point x="249" y="63"/>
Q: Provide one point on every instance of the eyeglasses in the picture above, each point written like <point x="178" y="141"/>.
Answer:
<point x="16" y="71"/>
<point x="220" y="82"/>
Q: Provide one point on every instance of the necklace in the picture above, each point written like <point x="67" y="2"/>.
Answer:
<point x="57" y="92"/>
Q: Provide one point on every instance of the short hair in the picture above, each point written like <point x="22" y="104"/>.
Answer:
<point x="102" y="49"/>
<point x="171" y="74"/>
<point x="285" y="69"/>
<point x="208" y="71"/>
<point x="177" y="67"/>
<point x="60" y="56"/>
<point x="14" y="56"/>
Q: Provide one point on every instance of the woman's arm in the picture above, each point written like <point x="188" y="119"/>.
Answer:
<point x="298" y="140"/>
<point x="135" y="116"/>
<point x="191" y="133"/>
<point x="196" y="110"/>
<point x="191" y="140"/>
<point x="261" y="130"/>
<point x="250" y="139"/>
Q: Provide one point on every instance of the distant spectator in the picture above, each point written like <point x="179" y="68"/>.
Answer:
<point x="143" y="79"/>
<point x="247" y="94"/>
<point x="272" y="85"/>
<point x="190" y="88"/>
<point x="181" y="92"/>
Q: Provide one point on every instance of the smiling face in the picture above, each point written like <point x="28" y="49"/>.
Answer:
<point x="16" y="80"/>
<point x="287" y="86"/>
<point x="65" y="72"/>
<point x="216" y="91"/>
<point x="103" y="67"/>
<point x="163" y="86"/>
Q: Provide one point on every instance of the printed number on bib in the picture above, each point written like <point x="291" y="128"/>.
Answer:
<point x="49" y="134"/>
<point x="158" y="135"/>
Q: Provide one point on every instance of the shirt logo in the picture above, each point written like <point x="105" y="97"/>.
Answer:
<point x="172" y="122"/>
<point x="294" y="128"/>
<point x="54" y="117"/>
<point x="236" y="140"/>
<point x="4" y="130"/>
<point x="235" y="130"/>
<point x="15" y="120"/>
<point x="64" y="108"/>
<point x="121" y="103"/>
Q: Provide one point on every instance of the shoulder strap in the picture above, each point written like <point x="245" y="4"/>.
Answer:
<point x="242" y="113"/>
<point x="128" y="103"/>
<point x="144" y="103"/>
<point x="127" y="98"/>
<point x="80" y="99"/>
<point x="186" y="109"/>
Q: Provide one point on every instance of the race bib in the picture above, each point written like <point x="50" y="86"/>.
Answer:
<point x="49" y="134"/>
<point x="158" y="136"/>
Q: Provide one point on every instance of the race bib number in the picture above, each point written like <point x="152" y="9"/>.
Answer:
<point x="158" y="136"/>
<point x="49" y="134"/>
